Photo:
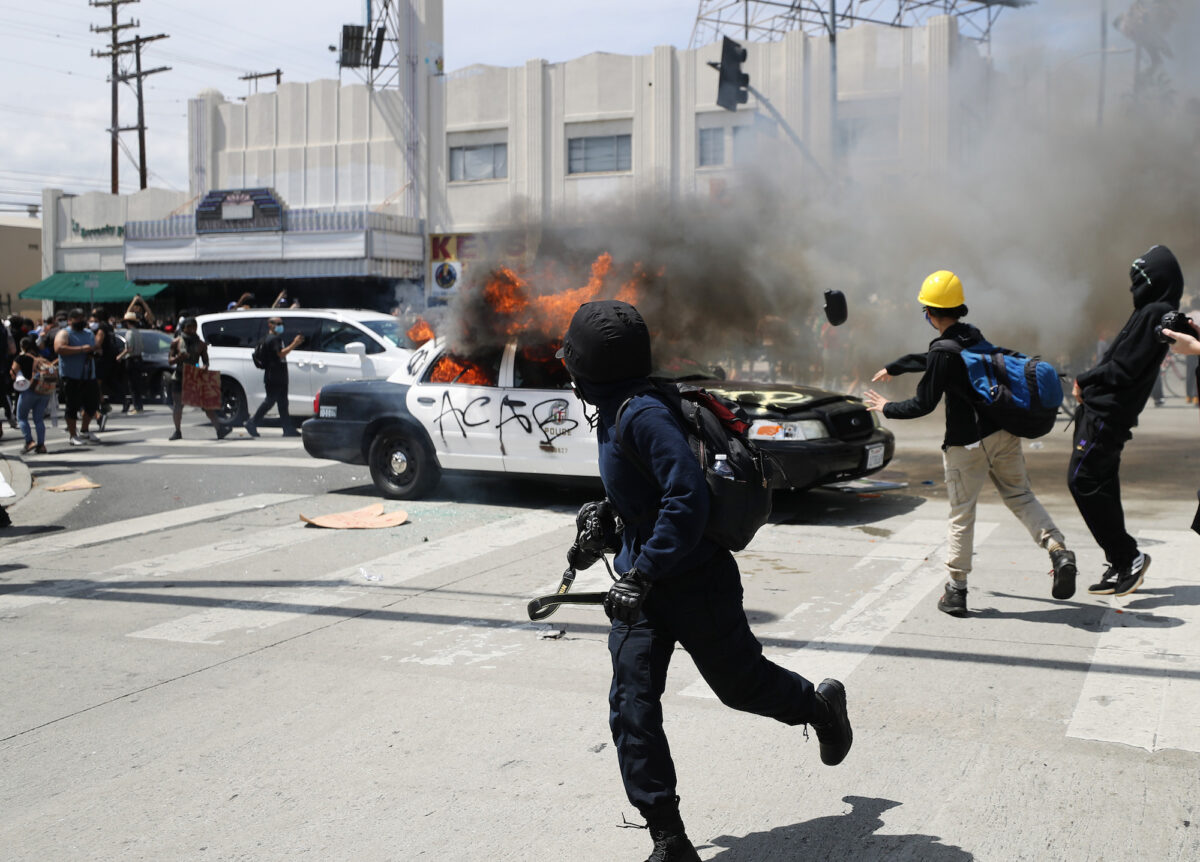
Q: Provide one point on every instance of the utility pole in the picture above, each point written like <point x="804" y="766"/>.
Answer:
<point x="1103" y="62"/>
<point x="114" y="52"/>
<point x="136" y="44"/>
<point x="833" y="85"/>
<point x="255" y="76"/>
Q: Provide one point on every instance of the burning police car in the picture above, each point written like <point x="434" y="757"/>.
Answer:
<point x="511" y="411"/>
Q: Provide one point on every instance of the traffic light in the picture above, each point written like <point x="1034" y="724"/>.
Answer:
<point x="732" y="87"/>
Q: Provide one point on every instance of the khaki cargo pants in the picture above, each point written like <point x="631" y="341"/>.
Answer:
<point x="999" y="456"/>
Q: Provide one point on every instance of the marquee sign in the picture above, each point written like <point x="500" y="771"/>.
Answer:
<point x="239" y="210"/>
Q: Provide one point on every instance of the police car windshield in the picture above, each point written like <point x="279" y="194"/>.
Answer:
<point x="685" y="368"/>
<point x="389" y="329"/>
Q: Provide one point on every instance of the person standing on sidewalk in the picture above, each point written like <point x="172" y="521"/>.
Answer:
<point x="676" y="586"/>
<point x="974" y="448"/>
<point x="273" y="354"/>
<point x="75" y="347"/>
<point x="41" y="382"/>
<point x="188" y="349"/>
<point x="1111" y="396"/>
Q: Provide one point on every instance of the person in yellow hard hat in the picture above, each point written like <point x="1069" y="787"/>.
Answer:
<point x="974" y="447"/>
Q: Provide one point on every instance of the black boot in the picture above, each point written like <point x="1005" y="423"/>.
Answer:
<point x="671" y="843"/>
<point x="832" y="723"/>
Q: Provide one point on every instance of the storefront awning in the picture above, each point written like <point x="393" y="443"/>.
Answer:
<point x="88" y="288"/>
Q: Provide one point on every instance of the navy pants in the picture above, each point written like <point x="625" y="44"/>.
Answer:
<point x="702" y="611"/>
<point x="1094" y="479"/>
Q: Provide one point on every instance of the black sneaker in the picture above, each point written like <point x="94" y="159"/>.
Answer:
<point x="1064" y="571"/>
<point x="251" y="429"/>
<point x="223" y="431"/>
<point x="1130" y="579"/>
<point x="834" y="734"/>
<point x="5" y="520"/>
<point x="1107" y="585"/>
<point x="672" y="848"/>
<point x="953" y="602"/>
<point x="178" y="435"/>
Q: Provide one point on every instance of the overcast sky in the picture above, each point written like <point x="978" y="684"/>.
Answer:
<point x="55" y="108"/>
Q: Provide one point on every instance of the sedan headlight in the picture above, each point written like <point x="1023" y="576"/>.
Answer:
<point x="805" y="429"/>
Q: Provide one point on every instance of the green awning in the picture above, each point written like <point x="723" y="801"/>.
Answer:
<point x="88" y="288"/>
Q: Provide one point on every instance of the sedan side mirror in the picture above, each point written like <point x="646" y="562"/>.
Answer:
<point x="835" y="307"/>
<point x="356" y="348"/>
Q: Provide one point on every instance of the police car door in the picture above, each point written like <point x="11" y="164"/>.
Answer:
<point x="457" y="400"/>
<point x="543" y="427"/>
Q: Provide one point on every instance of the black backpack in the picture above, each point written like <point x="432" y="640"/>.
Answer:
<point x="739" y="503"/>
<point x="259" y="355"/>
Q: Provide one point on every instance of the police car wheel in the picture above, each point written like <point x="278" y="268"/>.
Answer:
<point x="402" y="467"/>
<point x="233" y="403"/>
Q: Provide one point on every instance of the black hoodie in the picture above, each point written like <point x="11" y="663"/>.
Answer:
<point x="1116" y="390"/>
<point x="945" y="374"/>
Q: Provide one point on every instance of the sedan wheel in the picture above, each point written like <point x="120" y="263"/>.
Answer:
<point x="402" y="468"/>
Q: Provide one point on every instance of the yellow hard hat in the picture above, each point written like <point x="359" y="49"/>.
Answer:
<point x="941" y="290"/>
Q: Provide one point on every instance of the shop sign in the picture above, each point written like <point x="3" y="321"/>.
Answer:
<point x="451" y="254"/>
<point x="108" y="231"/>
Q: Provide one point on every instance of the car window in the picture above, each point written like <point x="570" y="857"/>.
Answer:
<point x="234" y="331"/>
<point x="309" y="327"/>
<point x="335" y="335"/>
<point x="538" y="368"/>
<point x="154" y="341"/>
<point x="390" y="330"/>
<point x="480" y="370"/>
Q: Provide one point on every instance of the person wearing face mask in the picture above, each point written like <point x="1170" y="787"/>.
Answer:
<point x="75" y="346"/>
<point x="273" y="353"/>
<point x="973" y="448"/>
<point x="188" y="349"/>
<point x="105" y="358"/>
<point x="676" y="585"/>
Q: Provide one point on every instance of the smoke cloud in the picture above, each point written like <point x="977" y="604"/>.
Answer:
<point x="1040" y="213"/>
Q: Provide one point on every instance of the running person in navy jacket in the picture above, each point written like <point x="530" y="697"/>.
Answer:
<point x="676" y="586"/>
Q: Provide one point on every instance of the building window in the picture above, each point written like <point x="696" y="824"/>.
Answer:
<point x="482" y="162"/>
<point x="712" y="147"/>
<point x="598" y="154"/>
<point x="743" y="145"/>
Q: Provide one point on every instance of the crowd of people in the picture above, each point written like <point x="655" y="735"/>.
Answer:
<point x="78" y="365"/>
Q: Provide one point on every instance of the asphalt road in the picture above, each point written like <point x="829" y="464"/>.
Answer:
<point x="191" y="673"/>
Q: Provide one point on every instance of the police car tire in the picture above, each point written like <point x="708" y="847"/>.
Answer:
<point x="421" y="474"/>
<point x="233" y="403"/>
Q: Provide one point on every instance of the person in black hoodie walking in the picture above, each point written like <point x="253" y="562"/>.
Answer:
<point x="974" y="448"/>
<point x="676" y="586"/>
<point x="1111" y="396"/>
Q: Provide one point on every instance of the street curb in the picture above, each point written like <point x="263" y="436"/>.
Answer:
<point x="18" y="476"/>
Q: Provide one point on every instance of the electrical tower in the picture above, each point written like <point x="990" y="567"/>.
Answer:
<point x="769" y="20"/>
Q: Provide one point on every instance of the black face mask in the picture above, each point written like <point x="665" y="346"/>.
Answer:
<point x="77" y="325"/>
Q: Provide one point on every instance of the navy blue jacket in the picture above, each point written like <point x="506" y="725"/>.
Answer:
<point x="664" y="518"/>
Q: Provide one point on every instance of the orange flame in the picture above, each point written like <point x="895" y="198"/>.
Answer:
<point x="420" y="332"/>
<point x="509" y="295"/>
<point x="452" y="370"/>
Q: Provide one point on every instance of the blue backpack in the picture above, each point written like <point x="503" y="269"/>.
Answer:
<point x="1020" y="394"/>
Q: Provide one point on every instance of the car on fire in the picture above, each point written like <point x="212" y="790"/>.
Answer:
<point x="512" y="411"/>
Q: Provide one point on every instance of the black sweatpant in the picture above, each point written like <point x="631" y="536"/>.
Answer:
<point x="702" y="611"/>
<point x="1096" y="486"/>
<point x="277" y="396"/>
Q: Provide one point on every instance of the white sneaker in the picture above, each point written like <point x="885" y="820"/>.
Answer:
<point x="78" y="441"/>
<point x="92" y="437"/>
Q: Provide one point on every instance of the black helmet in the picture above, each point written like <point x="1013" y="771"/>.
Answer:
<point x="606" y="341"/>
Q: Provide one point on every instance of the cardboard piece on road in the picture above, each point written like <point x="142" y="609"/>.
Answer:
<point x="369" y="518"/>
<point x="83" y="483"/>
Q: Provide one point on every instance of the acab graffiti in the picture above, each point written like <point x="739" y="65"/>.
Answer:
<point x="550" y="417"/>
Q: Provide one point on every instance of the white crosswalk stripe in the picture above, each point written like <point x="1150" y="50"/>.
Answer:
<point x="398" y="567"/>
<point x="1143" y="688"/>
<point x="863" y="626"/>
<point x="117" y="530"/>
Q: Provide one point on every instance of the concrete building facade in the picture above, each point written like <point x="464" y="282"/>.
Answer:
<point x="358" y="195"/>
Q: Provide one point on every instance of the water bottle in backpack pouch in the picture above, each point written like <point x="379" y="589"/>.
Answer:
<point x="739" y="475"/>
